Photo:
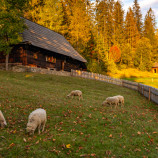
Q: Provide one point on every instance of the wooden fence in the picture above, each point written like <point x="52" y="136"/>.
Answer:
<point x="149" y="92"/>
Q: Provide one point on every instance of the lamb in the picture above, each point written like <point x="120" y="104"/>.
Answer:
<point x="76" y="93"/>
<point x="3" y="122"/>
<point x="111" y="100"/>
<point x="121" y="99"/>
<point x="36" y="119"/>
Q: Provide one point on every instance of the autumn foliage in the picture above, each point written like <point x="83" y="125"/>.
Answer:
<point x="115" y="54"/>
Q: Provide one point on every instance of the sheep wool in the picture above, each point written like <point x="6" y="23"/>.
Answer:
<point x="111" y="100"/>
<point x="75" y="93"/>
<point x="121" y="99"/>
<point x="3" y="122"/>
<point x="37" y="118"/>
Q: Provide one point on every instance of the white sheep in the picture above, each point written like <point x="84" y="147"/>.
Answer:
<point x="3" y="122"/>
<point x="121" y="99"/>
<point x="111" y="100"/>
<point x="37" y="118"/>
<point x="75" y="93"/>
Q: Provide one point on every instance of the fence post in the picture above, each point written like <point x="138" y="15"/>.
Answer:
<point x="149" y="93"/>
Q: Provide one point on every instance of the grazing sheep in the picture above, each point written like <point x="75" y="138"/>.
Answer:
<point x="76" y="93"/>
<point x="110" y="101"/>
<point x="3" y="122"/>
<point x="121" y="99"/>
<point x="36" y="119"/>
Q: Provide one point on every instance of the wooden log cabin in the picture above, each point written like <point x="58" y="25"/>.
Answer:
<point x="42" y="47"/>
<point x="155" y="67"/>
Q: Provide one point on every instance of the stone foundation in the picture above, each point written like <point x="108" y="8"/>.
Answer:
<point x="22" y="68"/>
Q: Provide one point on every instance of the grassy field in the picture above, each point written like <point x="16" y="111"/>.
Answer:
<point x="144" y="77"/>
<point x="75" y="128"/>
<point x="150" y="81"/>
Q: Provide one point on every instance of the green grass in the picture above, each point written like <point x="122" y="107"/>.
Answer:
<point x="91" y="129"/>
<point x="150" y="81"/>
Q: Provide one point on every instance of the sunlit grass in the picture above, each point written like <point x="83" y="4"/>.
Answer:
<point x="75" y="128"/>
<point x="147" y="78"/>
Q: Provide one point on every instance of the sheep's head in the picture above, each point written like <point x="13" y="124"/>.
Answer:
<point x="68" y="96"/>
<point x="104" y="103"/>
<point x="30" y="129"/>
<point x="3" y="124"/>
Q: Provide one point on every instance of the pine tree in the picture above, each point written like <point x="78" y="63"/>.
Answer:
<point x="80" y="25"/>
<point x="101" y="20"/>
<point x="48" y="13"/>
<point x="143" y="57"/>
<point x="150" y="26"/>
<point x="131" y="31"/>
<point x="118" y="24"/>
<point x="138" y="16"/>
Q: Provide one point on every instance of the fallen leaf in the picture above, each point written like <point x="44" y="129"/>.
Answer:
<point x="139" y="133"/>
<point x="54" y="140"/>
<point x="110" y="136"/>
<point x="68" y="146"/>
<point x="93" y="154"/>
<point x="154" y="132"/>
<point x="24" y="139"/>
<point x="137" y="149"/>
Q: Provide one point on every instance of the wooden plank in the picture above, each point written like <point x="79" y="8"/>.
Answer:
<point x="149" y="94"/>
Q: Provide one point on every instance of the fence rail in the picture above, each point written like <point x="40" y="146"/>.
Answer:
<point x="149" y="92"/>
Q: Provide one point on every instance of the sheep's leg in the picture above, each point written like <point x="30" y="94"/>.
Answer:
<point x="121" y="104"/>
<point x="81" y="97"/>
<point x="39" y="127"/>
<point x="43" y="126"/>
<point x="116" y="105"/>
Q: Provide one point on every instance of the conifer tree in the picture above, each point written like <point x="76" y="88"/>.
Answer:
<point x="150" y="26"/>
<point x="118" y="24"/>
<point x="138" y="16"/>
<point x="143" y="57"/>
<point x="48" y="13"/>
<point x="80" y="25"/>
<point x="131" y="31"/>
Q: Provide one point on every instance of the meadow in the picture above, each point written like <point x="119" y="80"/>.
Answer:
<point x="144" y="77"/>
<point x="150" y="81"/>
<point x="75" y="128"/>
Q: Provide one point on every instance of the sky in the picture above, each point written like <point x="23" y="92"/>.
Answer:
<point x="144" y="6"/>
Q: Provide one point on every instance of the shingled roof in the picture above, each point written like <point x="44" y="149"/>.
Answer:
<point x="45" y="38"/>
<point x="155" y="65"/>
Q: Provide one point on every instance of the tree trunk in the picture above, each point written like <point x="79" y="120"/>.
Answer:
<point x="6" y="61"/>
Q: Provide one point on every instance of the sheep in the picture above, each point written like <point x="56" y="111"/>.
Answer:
<point x="121" y="99"/>
<point x="3" y="122"/>
<point x="75" y="93"/>
<point x="111" y="100"/>
<point x="36" y="119"/>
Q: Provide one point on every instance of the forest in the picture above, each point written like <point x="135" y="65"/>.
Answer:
<point x="102" y="32"/>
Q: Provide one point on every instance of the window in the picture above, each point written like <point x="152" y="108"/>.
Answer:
<point x="51" y="59"/>
<point x="35" y="55"/>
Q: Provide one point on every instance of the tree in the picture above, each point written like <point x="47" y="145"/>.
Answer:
<point x="137" y="16"/>
<point x="127" y="55"/>
<point x="150" y="26"/>
<point x="48" y="13"/>
<point x="131" y="31"/>
<point x="143" y="57"/>
<point x="11" y="25"/>
<point x="118" y="24"/>
<point x="114" y="54"/>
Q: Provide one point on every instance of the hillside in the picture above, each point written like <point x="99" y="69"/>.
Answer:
<point x="75" y="128"/>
